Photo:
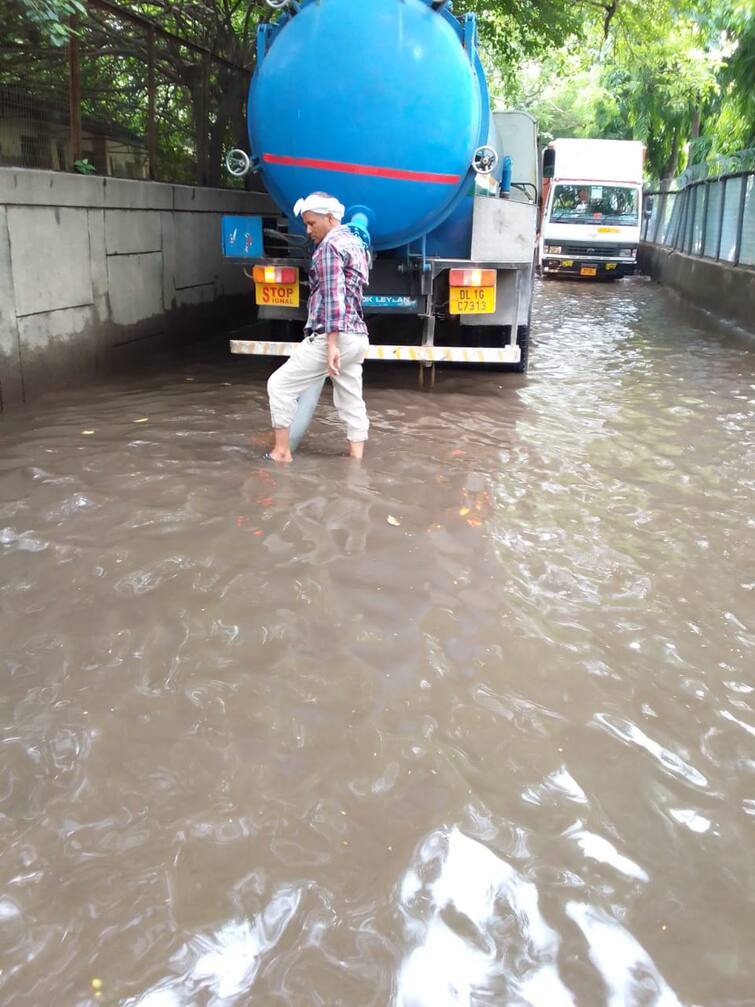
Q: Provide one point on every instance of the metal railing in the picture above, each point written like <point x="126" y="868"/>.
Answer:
<point x="708" y="211"/>
<point x="125" y="97"/>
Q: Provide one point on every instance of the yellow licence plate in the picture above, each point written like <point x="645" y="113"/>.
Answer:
<point x="277" y="295"/>
<point x="472" y="300"/>
<point x="588" y="271"/>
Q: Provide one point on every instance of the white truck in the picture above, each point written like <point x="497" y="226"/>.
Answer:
<point x="590" y="208"/>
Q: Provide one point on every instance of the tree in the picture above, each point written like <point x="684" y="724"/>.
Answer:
<point x="200" y="97"/>
<point x="512" y="31"/>
<point x="215" y="87"/>
<point x="52" y="17"/>
<point x="678" y="76"/>
<point x="732" y="125"/>
<point x="201" y="101"/>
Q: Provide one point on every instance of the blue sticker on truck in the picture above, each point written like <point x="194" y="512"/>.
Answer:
<point x="242" y="237"/>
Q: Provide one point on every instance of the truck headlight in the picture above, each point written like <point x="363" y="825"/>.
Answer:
<point x="553" y="249"/>
<point x="626" y="253"/>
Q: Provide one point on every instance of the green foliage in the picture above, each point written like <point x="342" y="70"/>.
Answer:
<point x="733" y="121"/>
<point x="568" y="99"/>
<point x="677" y="74"/>
<point x="513" y="30"/>
<point x="199" y="101"/>
<point x="52" y="17"/>
<point x="634" y="70"/>
<point x="84" y="167"/>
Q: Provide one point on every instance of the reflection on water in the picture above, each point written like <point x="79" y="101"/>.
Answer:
<point x="223" y="966"/>
<point x="261" y="745"/>
<point x="625" y="967"/>
<point x="485" y="933"/>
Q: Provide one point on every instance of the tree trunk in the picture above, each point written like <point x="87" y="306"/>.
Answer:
<point x="215" y="168"/>
<point x="253" y="180"/>
<point x="694" y="130"/>
<point x="196" y="77"/>
<point x="670" y="168"/>
<point x="202" y="122"/>
<point x="230" y="110"/>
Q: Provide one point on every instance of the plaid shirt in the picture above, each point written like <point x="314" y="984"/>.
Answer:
<point x="339" y="272"/>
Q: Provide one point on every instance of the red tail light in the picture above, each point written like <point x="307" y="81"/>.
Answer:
<point x="276" y="274"/>
<point x="472" y="277"/>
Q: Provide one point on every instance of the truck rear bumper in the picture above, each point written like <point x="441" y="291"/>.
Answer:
<point x="403" y="354"/>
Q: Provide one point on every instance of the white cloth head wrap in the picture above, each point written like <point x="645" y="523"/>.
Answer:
<point x="319" y="204"/>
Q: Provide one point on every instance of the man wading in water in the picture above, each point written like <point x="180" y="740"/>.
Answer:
<point x="335" y="336"/>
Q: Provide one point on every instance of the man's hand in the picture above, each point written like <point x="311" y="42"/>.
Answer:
<point x="334" y="361"/>
<point x="334" y="356"/>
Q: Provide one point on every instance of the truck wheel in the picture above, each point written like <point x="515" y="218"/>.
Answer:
<point x="523" y="342"/>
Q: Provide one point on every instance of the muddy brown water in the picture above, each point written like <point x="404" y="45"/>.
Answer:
<point x="262" y="745"/>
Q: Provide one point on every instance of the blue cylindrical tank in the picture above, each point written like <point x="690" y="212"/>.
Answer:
<point x="380" y="102"/>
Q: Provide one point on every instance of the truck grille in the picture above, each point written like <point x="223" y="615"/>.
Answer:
<point x="585" y="248"/>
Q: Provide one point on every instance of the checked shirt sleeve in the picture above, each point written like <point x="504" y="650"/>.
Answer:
<point x="333" y="281"/>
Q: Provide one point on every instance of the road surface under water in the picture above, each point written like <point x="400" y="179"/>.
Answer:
<point x="469" y="724"/>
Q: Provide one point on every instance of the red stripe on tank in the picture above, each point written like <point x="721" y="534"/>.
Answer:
<point x="362" y="169"/>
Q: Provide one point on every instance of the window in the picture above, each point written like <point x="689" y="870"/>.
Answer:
<point x="595" y="204"/>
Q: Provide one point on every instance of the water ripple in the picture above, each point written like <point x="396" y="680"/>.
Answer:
<point x="259" y="744"/>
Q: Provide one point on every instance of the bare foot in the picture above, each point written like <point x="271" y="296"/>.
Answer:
<point x="280" y="456"/>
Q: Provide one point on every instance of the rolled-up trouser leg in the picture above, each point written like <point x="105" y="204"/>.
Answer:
<point x="347" y="386"/>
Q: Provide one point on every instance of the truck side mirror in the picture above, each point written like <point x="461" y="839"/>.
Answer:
<point x="549" y="162"/>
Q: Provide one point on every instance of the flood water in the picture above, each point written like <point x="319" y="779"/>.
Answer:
<point x="469" y="724"/>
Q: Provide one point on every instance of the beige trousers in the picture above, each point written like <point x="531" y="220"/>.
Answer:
<point x="309" y="363"/>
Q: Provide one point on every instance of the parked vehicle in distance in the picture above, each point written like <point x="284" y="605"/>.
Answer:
<point x="590" y="208"/>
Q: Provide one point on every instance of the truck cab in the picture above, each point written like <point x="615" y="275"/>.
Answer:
<point x="591" y="202"/>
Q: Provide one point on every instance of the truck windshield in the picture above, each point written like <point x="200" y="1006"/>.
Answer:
<point x="590" y="204"/>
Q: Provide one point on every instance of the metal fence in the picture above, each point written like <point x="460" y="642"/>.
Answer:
<point x="708" y="211"/>
<point x="125" y="98"/>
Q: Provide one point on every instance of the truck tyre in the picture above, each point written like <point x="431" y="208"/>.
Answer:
<point x="523" y="342"/>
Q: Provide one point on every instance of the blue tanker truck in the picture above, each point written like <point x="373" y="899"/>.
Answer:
<point x="384" y="104"/>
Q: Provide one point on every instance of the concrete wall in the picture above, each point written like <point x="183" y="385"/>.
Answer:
<point x="725" y="290"/>
<point x="97" y="271"/>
